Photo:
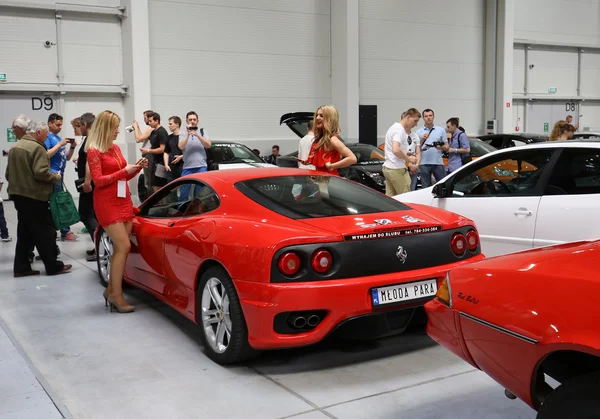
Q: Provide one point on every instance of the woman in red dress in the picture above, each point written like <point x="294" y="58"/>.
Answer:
<point x="112" y="203"/>
<point x="328" y="153"/>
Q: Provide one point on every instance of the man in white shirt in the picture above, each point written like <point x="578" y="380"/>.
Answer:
<point x="304" y="147"/>
<point x="396" y="154"/>
<point x="414" y="149"/>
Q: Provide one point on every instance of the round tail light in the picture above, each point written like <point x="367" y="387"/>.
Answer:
<point x="289" y="263"/>
<point x="458" y="244"/>
<point x="321" y="261"/>
<point x="472" y="240"/>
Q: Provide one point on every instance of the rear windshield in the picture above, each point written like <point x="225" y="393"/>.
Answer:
<point x="317" y="196"/>
<point x="233" y="153"/>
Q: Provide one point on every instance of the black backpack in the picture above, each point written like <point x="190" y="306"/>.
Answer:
<point x="465" y="157"/>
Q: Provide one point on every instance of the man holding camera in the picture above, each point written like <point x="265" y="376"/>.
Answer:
<point x="193" y="143"/>
<point x="59" y="156"/>
<point x="395" y="170"/>
<point x="459" y="146"/>
<point x="433" y="144"/>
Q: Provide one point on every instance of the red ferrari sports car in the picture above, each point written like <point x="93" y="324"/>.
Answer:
<point x="530" y="321"/>
<point x="277" y="258"/>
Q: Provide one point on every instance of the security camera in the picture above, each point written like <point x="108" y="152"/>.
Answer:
<point x="47" y="44"/>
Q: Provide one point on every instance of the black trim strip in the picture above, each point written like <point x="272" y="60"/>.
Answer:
<point x="500" y="329"/>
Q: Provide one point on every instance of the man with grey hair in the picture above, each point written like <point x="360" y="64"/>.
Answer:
<point x="30" y="184"/>
<point x="19" y="126"/>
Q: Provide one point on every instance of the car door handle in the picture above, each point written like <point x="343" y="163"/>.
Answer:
<point x="523" y="212"/>
<point x="171" y="224"/>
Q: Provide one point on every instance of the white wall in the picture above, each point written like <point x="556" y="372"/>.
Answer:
<point x="84" y="2"/>
<point x="590" y="74"/>
<point x="91" y="49"/>
<point x="19" y="46"/>
<point x="240" y="64"/>
<point x="559" y="21"/>
<point x="565" y="27"/>
<point x="426" y="54"/>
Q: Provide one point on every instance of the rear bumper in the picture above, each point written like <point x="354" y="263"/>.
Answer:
<point x="340" y="300"/>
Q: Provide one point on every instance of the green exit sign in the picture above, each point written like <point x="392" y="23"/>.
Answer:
<point x="2" y="76"/>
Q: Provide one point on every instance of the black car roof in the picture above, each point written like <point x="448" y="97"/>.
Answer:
<point x="515" y="135"/>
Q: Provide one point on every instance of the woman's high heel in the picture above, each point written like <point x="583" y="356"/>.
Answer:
<point x="126" y="308"/>
<point x="105" y="294"/>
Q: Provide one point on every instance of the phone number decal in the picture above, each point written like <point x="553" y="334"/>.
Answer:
<point x="394" y="233"/>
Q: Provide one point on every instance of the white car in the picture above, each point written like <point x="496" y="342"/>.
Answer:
<point x="523" y="197"/>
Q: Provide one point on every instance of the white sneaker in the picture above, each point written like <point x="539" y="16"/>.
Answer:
<point x="6" y="239"/>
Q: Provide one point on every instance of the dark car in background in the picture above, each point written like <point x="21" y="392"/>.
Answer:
<point x="584" y="135"/>
<point x="368" y="169"/>
<point x="222" y="155"/>
<point x="501" y="141"/>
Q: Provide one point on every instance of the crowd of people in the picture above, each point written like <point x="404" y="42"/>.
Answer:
<point x="36" y="167"/>
<point x="181" y="153"/>
<point x="37" y="163"/>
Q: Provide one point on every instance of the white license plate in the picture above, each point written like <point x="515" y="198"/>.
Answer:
<point x="403" y="292"/>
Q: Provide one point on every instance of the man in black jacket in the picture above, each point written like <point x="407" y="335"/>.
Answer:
<point x="86" y="194"/>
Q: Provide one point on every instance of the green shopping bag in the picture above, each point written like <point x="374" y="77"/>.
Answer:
<point x="63" y="209"/>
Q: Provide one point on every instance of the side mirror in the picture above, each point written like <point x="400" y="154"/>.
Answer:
<point x="440" y="190"/>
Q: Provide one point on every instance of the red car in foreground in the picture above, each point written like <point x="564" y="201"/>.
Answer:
<point x="529" y="320"/>
<point x="277" y="258"/>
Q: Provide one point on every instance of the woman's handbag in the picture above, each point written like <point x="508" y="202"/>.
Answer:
<point x="160" y="171"/>
<point x="63" y="209"/>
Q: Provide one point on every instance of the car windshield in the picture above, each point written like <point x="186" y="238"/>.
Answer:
<point x="313" y="196"/>
<point x="233" y="153"/>
<point x="480" y="148"/>
<point x="367" y="154"/>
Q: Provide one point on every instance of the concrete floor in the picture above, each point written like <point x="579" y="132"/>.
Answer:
<point x="62" y="354"/>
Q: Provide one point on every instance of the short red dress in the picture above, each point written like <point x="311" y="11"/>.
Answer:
<point x="319" y="157"/>
<point x="107" y="169"/>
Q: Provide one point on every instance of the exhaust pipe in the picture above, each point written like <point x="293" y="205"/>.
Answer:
<point x="313" y="320"/>
<point x="299" y="322"/>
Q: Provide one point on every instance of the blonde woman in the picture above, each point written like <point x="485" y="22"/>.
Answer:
<point x="112" y="203"/>
<point x="562" y="131"/>
<point x="328" y="153"/>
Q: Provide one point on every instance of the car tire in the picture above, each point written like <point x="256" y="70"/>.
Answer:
<point x="577" y="398"/>
<point x="222" y="324"/>
<point x="141" y="186"/>
<point x="104" y="249"/>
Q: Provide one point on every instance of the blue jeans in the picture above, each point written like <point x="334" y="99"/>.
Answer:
<point x="185" y="189"/>
<point x="413" y="181"/>
<point x="58" y="187"/>
<point x="427" y="169"/>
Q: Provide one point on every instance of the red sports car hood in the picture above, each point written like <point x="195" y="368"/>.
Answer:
<point x="381" y="222"/>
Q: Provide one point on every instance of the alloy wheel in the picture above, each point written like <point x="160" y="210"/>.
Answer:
<point x="105" y="251"/>
<point x="215" y="315"/>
